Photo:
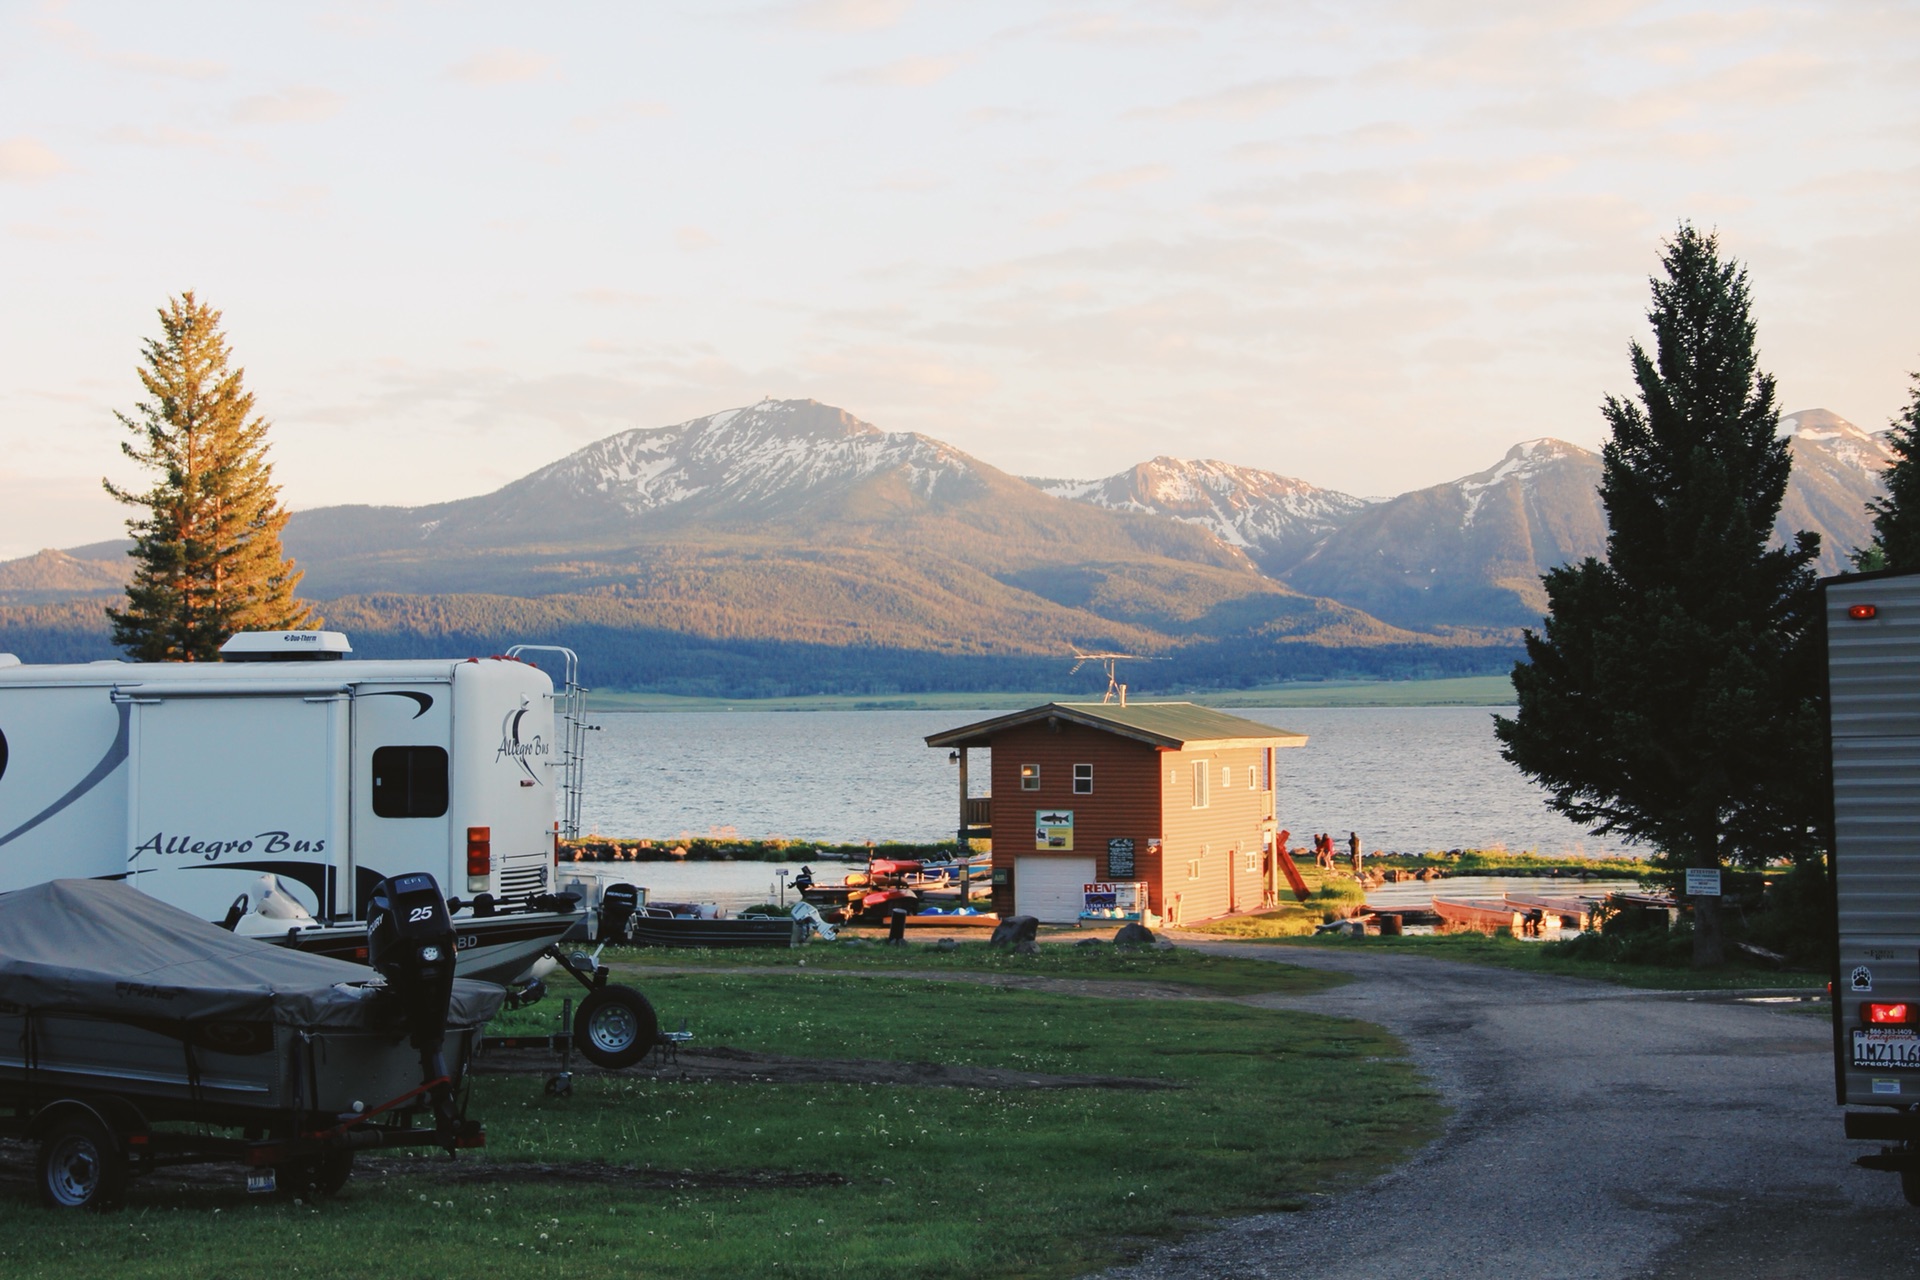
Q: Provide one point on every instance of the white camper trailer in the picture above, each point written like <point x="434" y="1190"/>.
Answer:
<point x="1873" y="682"/>
<point x="271" y="791"/>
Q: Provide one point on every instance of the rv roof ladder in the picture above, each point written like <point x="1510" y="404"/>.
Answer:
<point x="570" y="711"/>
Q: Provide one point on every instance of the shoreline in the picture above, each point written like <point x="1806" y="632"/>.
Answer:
<point x="1443" y="691"/>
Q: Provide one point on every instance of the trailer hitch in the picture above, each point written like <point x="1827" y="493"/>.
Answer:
<point x="586" y="969"/>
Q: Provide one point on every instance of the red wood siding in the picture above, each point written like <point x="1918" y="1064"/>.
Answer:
<point x="1125" y="802"/>
<point x="1133" y="799"/>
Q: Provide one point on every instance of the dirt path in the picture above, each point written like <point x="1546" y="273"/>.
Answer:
<point x="1598" y="1133"/>
<point x="742" y="1066"/>
<point x="1098" y="987"/>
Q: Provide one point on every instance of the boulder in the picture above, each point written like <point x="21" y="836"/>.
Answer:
<point x="1026" y="947"/>
<point x="1134" y="934"/>
<point x="1014" y="930"/>
<point x="947" y="944"/>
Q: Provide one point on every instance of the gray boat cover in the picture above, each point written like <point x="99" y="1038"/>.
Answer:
<point x="100" y="947"/>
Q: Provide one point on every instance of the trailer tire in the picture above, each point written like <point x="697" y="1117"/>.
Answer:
<point x="615" y="1027"/>
<point x="81" y="1165"/>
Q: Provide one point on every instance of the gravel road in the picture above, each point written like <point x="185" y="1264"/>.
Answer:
<point x="1597" y="1132"/>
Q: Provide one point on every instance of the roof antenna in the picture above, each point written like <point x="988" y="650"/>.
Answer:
<point x="1107" y="660"/>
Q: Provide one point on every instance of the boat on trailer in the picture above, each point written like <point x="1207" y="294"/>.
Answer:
<point x="119" y="1014"/>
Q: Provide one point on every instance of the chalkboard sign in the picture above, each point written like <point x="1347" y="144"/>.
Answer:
<point x="1120" y="859"/>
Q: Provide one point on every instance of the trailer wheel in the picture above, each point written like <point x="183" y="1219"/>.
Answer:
<point x="615" y="1027"/>
<point x="81" y="1165"/>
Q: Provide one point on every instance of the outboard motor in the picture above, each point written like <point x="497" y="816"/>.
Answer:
<point x="410" y="942"/>
<point x="617" y="906"/>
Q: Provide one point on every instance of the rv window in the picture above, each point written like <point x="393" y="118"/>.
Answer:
<point x="409" y="782"/>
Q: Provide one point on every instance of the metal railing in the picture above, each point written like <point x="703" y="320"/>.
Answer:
<point x="570" y="718"/>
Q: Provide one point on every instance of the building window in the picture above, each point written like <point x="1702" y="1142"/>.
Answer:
<point x="1029" y="777"/>
<point x="1226" y="775"/>
<point x="1193" y="869"/>
<point x="409" y="782"/>
<point x="1200" y="775"/>
<point x="1083" y="779"/>
<point x="1253" y="777"/>
<point x="1253" y="860"/>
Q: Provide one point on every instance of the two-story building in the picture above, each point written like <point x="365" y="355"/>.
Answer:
<point x="1173" y="795"/>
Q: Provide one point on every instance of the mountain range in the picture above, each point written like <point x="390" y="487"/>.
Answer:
<point x="789" y="546"/>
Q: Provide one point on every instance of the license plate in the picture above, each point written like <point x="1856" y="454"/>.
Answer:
<point x="1887" y="1047"/>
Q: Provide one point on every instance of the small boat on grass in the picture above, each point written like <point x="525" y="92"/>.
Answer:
<point x="957" y="918"/>
<point x="691" y="924"/>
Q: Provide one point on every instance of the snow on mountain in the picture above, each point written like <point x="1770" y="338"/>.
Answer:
<point x="1274" y="518"/>
<point x="1468" y="552"/>
<point x="1836" y="472"/>
<point x="760" y="452"/>
<point x="772" y="455"/>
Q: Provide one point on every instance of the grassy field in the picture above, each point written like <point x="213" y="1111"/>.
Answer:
<point x="645" y="1176"/>
<point x="1469" y="691"/>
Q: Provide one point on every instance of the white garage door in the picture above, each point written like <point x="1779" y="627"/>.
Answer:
<point x="1051" y="887"/>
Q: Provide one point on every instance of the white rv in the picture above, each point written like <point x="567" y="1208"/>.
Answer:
<point x="1873" y="683"/>
<point x="272" y="790"/>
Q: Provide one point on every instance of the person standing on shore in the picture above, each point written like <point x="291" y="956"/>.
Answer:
<point x="1353" y="850"/>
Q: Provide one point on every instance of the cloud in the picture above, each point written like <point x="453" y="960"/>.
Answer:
<point x="604" y="297"/>
<point x="501" y="66"/>
<point x="904" y="73"/>
<point x="83" y="44"/>
<point x="301" y="104"/>
<point x="619" y="113"/>
<point x="164" y="137"/>
<point x="300" y="200"/>
<point x="848" y="15"/>
<point x="172" y="68"/>
<point x="1238" y="101"/>
<point x="693" y="239"/>
<point x="24" y="159"/>
<point x="1123" y="179"/>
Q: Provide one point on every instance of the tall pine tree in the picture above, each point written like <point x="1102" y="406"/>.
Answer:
<point x="1671" y="697"/>
<point x="1896" y="517"/>
<point x="207" y="537"/>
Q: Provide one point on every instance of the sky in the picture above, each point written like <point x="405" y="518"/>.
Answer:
<point x="1371" y="244"/>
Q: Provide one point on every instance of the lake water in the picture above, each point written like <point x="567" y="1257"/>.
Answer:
<point x="1405" y="778"/>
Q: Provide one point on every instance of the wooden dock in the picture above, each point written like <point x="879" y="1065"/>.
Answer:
<point x="1480" y="915"/>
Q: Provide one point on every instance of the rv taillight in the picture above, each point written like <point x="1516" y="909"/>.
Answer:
<point x="1863" y="612"/>
<point x="1883" y="1014"/>
<point x="479" y="858"/>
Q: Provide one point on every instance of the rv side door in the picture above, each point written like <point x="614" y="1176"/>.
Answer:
<point x="402" y="777"/>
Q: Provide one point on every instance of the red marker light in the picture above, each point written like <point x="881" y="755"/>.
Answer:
<point x="1863" y="612"/>
<point x="1884" y="1014"/>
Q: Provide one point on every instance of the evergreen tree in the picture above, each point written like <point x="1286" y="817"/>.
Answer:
<point x="1671" y="698"/>
<point x="1896" y="517"/>
<point x="206" y="541"/>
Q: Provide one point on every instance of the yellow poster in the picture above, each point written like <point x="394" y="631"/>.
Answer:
<point x="1053" y="830"/>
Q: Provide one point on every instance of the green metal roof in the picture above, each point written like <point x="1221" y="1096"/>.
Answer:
<point x="1174" y="725"/>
